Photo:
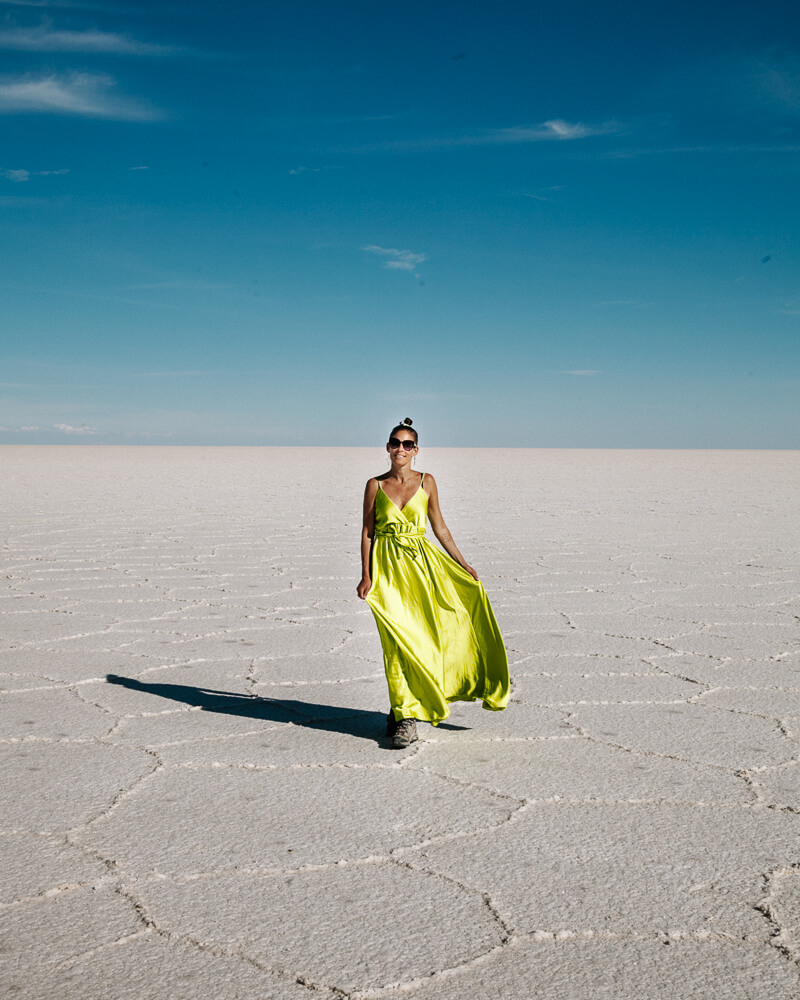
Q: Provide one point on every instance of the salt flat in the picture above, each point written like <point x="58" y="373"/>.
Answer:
<point x="197" y="798"/>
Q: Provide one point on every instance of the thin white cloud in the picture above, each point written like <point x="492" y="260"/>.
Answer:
<point x="542" y="197"/>
<point x="397" y="260"/>
<point x="68" y="429"/>
<point x="27" y="429"/>
<point x="556" y="128"/>
<point x="758" y="86"/>
<point x="553" y="130"/>
<point x="20" y="176"/>
<point x="296" y="171"/>
<point x="43" y="38"/>
<point x="86" y="94"/>
<point x="780" y="84"/>
<point x="581" y="371"/>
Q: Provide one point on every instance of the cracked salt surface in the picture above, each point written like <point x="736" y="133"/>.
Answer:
<point x="198" y="802"/>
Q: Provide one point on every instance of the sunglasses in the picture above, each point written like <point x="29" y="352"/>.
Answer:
<point x="408" y="444"/>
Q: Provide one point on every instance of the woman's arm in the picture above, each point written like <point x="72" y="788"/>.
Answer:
<point x="367" y="534"/>
<point x="440" y="529"/>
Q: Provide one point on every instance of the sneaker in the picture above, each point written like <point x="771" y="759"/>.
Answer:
<point x="405" y="734"/>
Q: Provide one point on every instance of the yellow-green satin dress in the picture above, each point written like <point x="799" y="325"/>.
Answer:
<point x="440" y="639"/>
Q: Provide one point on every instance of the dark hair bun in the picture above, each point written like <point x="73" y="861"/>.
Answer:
<point x="405" y="425"/>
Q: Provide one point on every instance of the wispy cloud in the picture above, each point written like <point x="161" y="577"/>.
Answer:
<point x="20" y="176"/>
<point x="68" y="429"/>
<point x="397" y="260"/>
<point x="780" y="84"/>
<point x="86" y="94"/>
<point x="730" y="102"/>
<point x="553" y="130"/>
<point x="581" y="371"/>
<point x="44" y="38"/>
<point x="765" y="83"/>
<point x="556" y="128"/>
<point x="297" y="171"/>
<point x="543" y="197"/>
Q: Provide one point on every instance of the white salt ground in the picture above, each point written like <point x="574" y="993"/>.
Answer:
<point x="197" y="802"/>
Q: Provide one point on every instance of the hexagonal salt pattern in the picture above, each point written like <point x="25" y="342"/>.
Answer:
<point x="180" y="820"/>
<point x="347" y="926"/>
<point x="635" y="968"/>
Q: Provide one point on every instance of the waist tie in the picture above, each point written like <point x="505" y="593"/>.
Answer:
<point x="403" y="535"/>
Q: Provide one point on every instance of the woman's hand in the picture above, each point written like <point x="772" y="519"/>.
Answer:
<point x="364" y="587"/>
<point x="471" y="571"/>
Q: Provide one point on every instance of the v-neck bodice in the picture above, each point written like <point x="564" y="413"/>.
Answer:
<point x="413" y="513"/>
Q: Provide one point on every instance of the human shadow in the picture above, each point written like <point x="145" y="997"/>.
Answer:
<point x="351" y="721"/>
<point x="332" y="718"/>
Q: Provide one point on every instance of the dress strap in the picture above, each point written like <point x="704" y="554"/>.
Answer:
<point x="422" y="480"/>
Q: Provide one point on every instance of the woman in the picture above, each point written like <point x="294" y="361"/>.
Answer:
<point x="440" y="639"/>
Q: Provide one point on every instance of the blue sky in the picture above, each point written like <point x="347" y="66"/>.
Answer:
<point x="550" y="225"/>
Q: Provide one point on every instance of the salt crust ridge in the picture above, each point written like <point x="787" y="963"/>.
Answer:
<point x="643" y="783"/>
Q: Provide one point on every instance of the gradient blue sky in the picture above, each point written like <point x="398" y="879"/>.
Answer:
<point x="567" y="225"/>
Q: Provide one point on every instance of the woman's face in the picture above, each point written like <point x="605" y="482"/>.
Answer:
<point x="396" y="446"/>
